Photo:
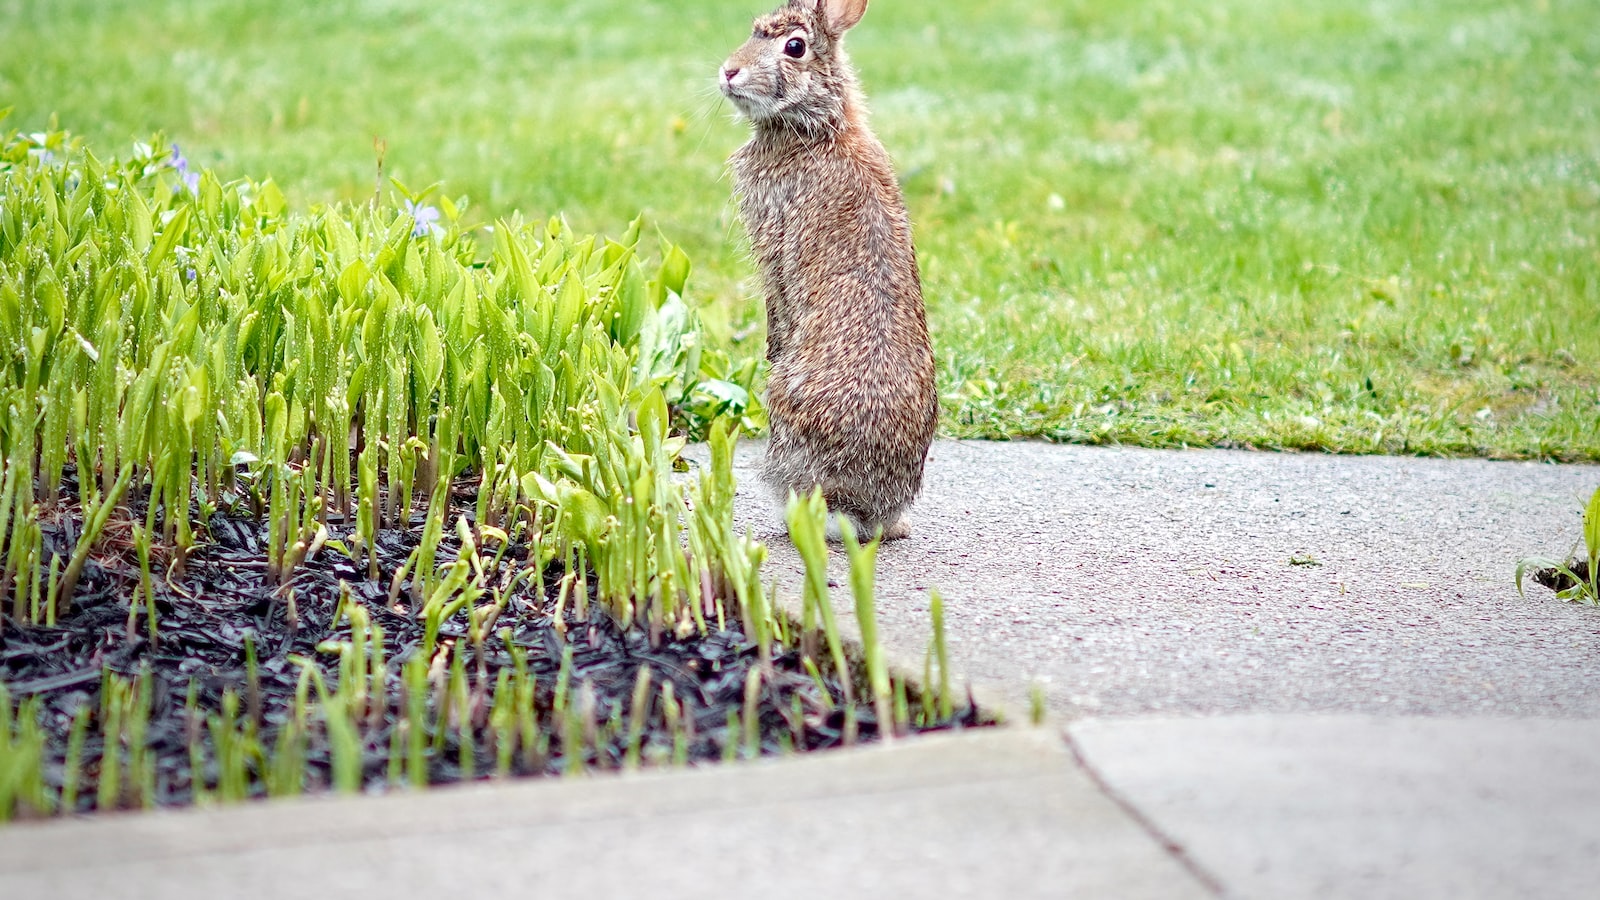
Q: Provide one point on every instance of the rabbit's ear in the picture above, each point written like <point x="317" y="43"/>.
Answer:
<point x="841" y="15"/>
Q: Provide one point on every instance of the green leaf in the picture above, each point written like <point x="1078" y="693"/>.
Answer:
<point x="372" y="330"/>
<point x="353" y="282"/>
<point x="674" y="271"/>
<point x="630" y="238"/>
<point x="193" y="405"/>
<point x="429" y="350"/>
<point x="652" y="417"/>
<point x="569" y="306"/>
<point x="863" y="573"/>
<point x="568" y="464"/>
<point x="662" y="341"/>
<point x="277" y="422"/>
<point x="176" y="227"/>
<point x="1591" y="527"/>
<point x="629" y="305"/>
<point x="584" y="512"/>
<point x="537" y="487"/>
<point x="728" y="396"/>
<point x="137" y="220"/>
<point x="52" y="299"/>
<point x="269" y="200"/>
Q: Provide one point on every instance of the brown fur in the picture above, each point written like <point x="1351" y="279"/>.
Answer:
<point x="850" y="396"/>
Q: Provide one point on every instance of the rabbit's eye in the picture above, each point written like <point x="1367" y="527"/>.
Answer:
<point x="796" y="48"/>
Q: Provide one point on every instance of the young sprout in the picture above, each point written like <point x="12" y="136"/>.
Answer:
<point x="575" y="726"/>
<point x="414" y="722"/>
<point x="902" y="708"/>
<point x="863" y="572"/>
<point x="941" y="655"/>
<point x="108" y="790"/>
<point x="141" y="763"/>
<point x="22" y="789"/>
<point x="672" y="712"/>
<point x="194" y="723"/>
<point x="752" y="714"/>
<point x="730" y="742"/>
<point x="503" y="724"/>
<point x="808" y="527"/>
<point x="141" y="549"/>
<point x="94" y="523"/>
<point x="638" y="713"/>
<point x="252" y="684"/>
<point x="286" y="774"/>
<point x="466" y="745"/>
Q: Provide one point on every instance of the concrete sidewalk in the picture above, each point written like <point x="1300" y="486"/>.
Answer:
<point x="1264" y="807"/>
<point x="1275" y="675"/>
<point x="1131" y="582"/>
<point x="991" y="813"/>
<point x="1364" y="806"/>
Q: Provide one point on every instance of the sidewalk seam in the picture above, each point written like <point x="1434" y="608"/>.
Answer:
<point x="1168" y="844"/>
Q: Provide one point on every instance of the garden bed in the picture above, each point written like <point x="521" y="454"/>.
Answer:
<point x="245" y="688"/>
<point x="373" y="495"/>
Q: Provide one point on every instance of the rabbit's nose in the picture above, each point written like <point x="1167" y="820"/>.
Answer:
<point x="729" y="73"/>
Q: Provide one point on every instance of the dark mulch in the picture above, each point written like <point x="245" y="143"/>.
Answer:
<point x="1557" y="580"/>
<point x="223" y="600"/>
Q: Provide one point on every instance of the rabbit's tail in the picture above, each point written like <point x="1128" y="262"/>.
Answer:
<point x="872" y="491"/>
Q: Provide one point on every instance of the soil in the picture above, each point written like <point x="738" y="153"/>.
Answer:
<point x="224" y="599"/>
<point x="1557" y="580"/>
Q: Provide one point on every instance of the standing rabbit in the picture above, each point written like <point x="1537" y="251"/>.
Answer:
<point x="850" y="394"/>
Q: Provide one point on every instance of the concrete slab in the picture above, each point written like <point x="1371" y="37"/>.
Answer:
<point x="1133" y="581"/>
<point x="989" y="813"/>
<point x="1365" y="807"/>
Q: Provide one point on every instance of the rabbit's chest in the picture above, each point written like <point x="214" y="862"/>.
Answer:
<point x="767" y="208"/>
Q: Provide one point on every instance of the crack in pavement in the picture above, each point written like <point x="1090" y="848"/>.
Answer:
<point x="1168" y="844"/>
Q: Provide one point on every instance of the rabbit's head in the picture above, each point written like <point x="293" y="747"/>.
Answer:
<point x="792" y="72"/>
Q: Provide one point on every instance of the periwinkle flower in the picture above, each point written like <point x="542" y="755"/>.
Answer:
<point x="186" y="259"/>
<point x="180" y="163"/>
<point x="423" y="218"/>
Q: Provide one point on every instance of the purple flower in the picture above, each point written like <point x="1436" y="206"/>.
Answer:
<point x="185" y="258"/>
<point x="180" y="163"/>
<point x="423" y="218"/>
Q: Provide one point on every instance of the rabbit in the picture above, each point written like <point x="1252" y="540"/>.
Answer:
<point x="850" y="391"/>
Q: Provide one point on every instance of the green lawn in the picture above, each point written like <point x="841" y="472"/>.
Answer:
<point x="1357" y="226"/>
